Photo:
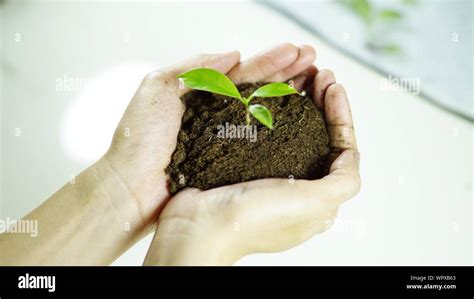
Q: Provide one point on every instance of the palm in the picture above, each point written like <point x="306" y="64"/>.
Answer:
<point x="276" y="214"/>
<point x="146" y="135"/>
<point x="145" y="140"/>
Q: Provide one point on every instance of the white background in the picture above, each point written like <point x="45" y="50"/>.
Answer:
<point x="415" y="206"/>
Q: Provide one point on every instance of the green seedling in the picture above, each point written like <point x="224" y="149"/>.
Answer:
<point x="213" y="81"/>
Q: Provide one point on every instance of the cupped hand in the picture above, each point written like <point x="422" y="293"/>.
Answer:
<point x="221" y="225"/>
<point x="147" y="133"/>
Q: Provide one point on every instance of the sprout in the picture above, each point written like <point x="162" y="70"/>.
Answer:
<point x="213" y="81"/>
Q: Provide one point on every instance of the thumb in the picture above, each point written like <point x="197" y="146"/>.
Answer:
<point x="343" y="180"/>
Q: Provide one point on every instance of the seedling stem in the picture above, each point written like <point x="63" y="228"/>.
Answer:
<point x="213" y="81"/>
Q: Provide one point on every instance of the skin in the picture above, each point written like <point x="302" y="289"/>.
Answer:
<point x="219" y="226"/>
<point x="115" y="202"/>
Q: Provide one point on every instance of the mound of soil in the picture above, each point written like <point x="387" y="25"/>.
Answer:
<point x="215" y="148"/>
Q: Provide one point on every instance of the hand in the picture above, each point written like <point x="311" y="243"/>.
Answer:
<point x="146" y="136"/>
<point x="114" y="202"/>
<point x="221" y="225"/>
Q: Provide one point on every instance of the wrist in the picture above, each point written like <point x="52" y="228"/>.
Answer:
<point x="105" y="185"/>
<point x="183" y="242"/>
<point x="142" y="181"/>
<point x="91" y="220"/>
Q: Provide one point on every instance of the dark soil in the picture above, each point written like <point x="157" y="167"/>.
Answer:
<point x="297" y="146"/>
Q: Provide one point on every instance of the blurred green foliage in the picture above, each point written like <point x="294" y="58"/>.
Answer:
<point x="377" y="20"/>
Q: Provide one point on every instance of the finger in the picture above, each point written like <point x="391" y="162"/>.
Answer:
<point x="341" y="184"/>
<point x="265" y="64"/>
<point x="339" y="119"/>
<point x="306" y="57"/>
<point x="305" y="78"/>
<point x="322" y="81"/>
<point x="220" y="62"/>
<point x="343" y="179"/>
<point x="299" y="82"/>
<point x="346" y="163"/>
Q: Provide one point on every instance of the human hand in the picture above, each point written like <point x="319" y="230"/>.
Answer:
<point x="219" y="226"/>
<point x="111" y="204"/>
<point x="146" y="136"/>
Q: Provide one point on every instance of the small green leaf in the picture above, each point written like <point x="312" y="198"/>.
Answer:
<point x="273" y="90"/>
<point x="361" y="8"/>
<point x="262" y="114"/>
<point x="389" y="15"/>
<point x="390" y="49"/>
<point x="210" y="80"/>
<point x="409" y="2"/>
